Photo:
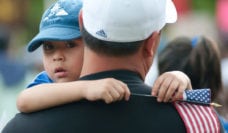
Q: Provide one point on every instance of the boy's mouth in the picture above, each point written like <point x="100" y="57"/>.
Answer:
<point x="60" y="72"/>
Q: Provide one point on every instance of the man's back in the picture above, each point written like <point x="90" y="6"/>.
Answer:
<point x="139" y="114"/>
<point x="142" y="113"/>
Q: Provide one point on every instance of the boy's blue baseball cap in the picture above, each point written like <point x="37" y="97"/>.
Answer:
<point x="59" y="23"/>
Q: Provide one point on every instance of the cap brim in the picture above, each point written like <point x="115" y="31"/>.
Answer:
<point x="171" y="13"/>
<point x="53" y="34"/>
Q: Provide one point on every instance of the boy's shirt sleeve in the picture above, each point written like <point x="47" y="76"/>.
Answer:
<point x="41" y="78"/>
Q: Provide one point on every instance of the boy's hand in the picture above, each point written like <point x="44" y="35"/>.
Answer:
<point x="109" y="90"/>
<point x="170" y="86"/>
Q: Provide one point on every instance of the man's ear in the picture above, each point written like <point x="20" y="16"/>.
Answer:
<point x="151" y="44"/>
<point x="80" y="20"/>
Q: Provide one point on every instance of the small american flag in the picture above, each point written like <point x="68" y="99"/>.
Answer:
<point x="202" y="96"/>
<point x="196" y="112"/>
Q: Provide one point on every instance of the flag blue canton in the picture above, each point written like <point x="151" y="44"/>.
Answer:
<point x="202" y="96"/>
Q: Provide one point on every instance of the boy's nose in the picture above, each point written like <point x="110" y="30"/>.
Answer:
<point x="59" y="56"/>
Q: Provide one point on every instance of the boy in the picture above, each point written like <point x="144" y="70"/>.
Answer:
<point x="62" y="59"/>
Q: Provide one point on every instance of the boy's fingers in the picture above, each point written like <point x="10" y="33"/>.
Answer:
<point x="179" y="93"/>
<point x="171" y="90"/>
<point x="108" y="98"/>
<point x="122" y="90"/>
<point x="115" y="94"/>
<point x="163" y="89"/>
<point x="127" y="93"/>
<point x="156" y="86"/>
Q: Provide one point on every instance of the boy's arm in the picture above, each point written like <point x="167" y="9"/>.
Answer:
<point x="170" y="86"/>
<point x="53" y="94"/>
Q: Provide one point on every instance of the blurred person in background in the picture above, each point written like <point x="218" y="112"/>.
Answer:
<point x="16" y="25"/>
<point x="199" y="58"/>
<point x="12" y="71"/>
<point x="183" y="6"/>
<point x="12" y="76"/>
<point x="222" y="25"/>
<point x="193" y="17"/>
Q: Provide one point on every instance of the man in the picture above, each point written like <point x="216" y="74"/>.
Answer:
<point x="121" y="38"/>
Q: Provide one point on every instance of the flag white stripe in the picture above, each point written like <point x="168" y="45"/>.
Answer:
<point x="213" y="124"/>
<point x="197" y="119"/>
<point x="203" y="118"/>
<point x="215" y="121"/>
<point x="209" y="123"/>
<point x="185" y="116"/>
<point x="189" y="109"/>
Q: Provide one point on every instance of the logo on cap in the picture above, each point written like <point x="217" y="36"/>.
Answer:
<point x="56" y="10"/>
<point x="101" y="33"/>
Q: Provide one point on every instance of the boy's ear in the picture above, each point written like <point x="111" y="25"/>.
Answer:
<point x="80" y="20"/>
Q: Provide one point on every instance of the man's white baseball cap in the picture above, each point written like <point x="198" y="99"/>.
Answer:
<point x="126" y="20"/>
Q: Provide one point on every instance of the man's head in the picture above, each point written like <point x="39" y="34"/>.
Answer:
<point x="124" y="34"/>
<point x="126" y="21"/>
<point x="59" y="23"/>
<point x="117" y="23"/>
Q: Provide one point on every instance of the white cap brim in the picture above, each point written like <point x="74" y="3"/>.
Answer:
<point x="171" y="13"/>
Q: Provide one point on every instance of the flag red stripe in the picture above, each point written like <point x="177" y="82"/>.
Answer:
<point x="214" y="122"/>
<point x="203" y="118"/>
<point x="204" y="122"/>
<point x="205" y="115"/>
<point x="183" y="116"/>
<point x="198" y="113"/>
<point x="196" y="118"/>
<point x="188" y="112"/>
<point x="216" y="119"/>
<point x="213" y="125"/>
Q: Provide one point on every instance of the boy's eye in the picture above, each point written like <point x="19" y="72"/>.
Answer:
<point x="48" y="47"/>
<point x="70" y="44"/>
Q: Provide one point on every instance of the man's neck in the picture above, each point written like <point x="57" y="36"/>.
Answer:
<point x="94" y="63"/>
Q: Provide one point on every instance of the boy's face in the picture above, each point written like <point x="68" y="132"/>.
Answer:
<point x="63" y="59"/>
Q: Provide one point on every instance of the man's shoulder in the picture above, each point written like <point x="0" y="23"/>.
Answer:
<point x="140" y="113"/>
<point x="131" y="78"/>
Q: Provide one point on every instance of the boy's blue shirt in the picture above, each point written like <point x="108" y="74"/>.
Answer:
<point x="41" y="78"/>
